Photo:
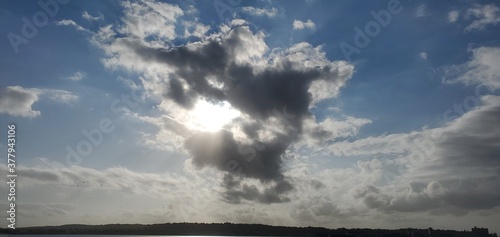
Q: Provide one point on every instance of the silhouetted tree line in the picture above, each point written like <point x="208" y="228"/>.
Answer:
<point x="230" y="229"/>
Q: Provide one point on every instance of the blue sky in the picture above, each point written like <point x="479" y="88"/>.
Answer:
<point x="188" y="89"/>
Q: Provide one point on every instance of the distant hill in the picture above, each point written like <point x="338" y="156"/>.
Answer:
<point x="230" y="229"/>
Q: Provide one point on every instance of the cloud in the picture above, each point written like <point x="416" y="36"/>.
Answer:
<point x="300" y="25"/>
<point x="129" y="83"/>
<point x="256" y="90"/>
<point x="447" y="170"/>
<point x="195" y="29"/>
<point x="431" y="170"/>
<point x="260" y="11"/>
<point x="67" y="22"/>
<point x="110" y="179"/>
<point x="420" y="12"/>
<point x="148" y="18"/>
<point x="453" y="16"/>
<point x="318" y="134"/>
<point x="271" y="89"/>
<point x="45" y="209"/>
<point x="17" y="101"/>
<point x="423" y="55"/>
<point x="484" y="16"/>
<point x="60" y="96"/>
<point x="481" y="69"/>
<point x="79" y="75"/>
<point x="236" y="191"/>
<point x="472" y="140"/>
<point x="88" y="17"/>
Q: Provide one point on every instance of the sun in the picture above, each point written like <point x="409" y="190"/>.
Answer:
<point x="209" y="117"/>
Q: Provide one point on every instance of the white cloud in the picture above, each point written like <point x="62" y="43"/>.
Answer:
<point x="484" y="16"/>
<point x="260" y="11"/>
<point x="89" y="17"/>
<point x="60" y="96"/>
<point x="148" y="18"/>
<point x="195" y="29"/>
<point x="79" y="75"/>
<point x="316" y="135"/>
<point x="300" y="25"/>
<point x="17" y="101"/>
<point x="423" y="55"/>
<point x="453" y="16"/>
<point x="71" y="192"/>
<point x="481" y="69"/>
<point x="67" y="22"/>
<point x="129" y="83"/>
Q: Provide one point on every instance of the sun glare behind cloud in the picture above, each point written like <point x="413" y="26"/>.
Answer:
<point x="211" y="117"/>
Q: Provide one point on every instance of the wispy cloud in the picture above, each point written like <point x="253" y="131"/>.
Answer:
<point x="72" y="23"/>
<point x="87" y="16"/>
<point x="79" y="75"/>
<point x="484" y="16"/>
<point x="260" y="11"/>
<point x="421" y="11"/>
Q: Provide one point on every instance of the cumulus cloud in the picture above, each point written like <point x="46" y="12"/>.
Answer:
<point x="272" y="89"/>
<point x="196" y="29"/>
<point x="260" y="11"/>
<point x="145" y="18"/>
<point x="300" y="25"/>
<point x="448" y="170"/>
<point x="17" y="101"/>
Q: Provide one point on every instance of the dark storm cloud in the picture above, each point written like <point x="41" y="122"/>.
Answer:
<point x="179" y="95"/>
<point x="258" y="92"/>
<point x="235" y="191"/>
<point x="220" y="150"/>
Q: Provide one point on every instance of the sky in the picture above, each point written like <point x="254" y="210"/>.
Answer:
<point x="376" y="114"/>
